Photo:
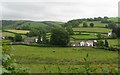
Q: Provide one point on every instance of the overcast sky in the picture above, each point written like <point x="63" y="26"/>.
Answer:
<point x="57" y="10"/>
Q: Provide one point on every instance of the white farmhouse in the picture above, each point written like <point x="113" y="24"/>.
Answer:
<point x="82" y="43"/>
<point x="110" y="33"/>
<point x="36" y="39"/>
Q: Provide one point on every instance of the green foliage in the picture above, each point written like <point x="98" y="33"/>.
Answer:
<point x="36" y="32"/>
<point x="59" y="36"/>
<point x="99" y="35"/>
<point x="100" y="44"/>
<point x="111" y="25"/>
<point x="91" y="24"/>
<point x="85" y="24"/>
<point x="69" y="30"/>
<point x="9" y="63"/>
<point x="114" y="35"/>
<point x="106" y="43"/>
<point x="18" y="38"/>
<point x="88" y="68"/>
<point x="116" y="31"/>
<point x="73" y="23"/>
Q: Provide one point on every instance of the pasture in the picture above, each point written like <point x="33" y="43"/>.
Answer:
<point x="83" y="37"/>
<point x="97" y="24"/>
<point x="39" y="58"/>
<point x="93" y="30"/>
<point x="18" y="31"/>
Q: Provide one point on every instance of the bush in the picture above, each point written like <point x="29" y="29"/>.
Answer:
<point x="91" y="24"/>
<point x="85" y="24"/>
<point x="18" y="37"/>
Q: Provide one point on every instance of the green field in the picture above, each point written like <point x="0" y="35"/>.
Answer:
<point x="83" y="37"/>
<point x="96" y="24"/>
<point x="18" y="31"/>
<point x="93" y="30"/>
<point x="12" y="34"/>
<point x="36" y="58"/>
<point x="114" y="19"/>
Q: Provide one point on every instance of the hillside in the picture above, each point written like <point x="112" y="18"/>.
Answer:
<point x="26" y="25"/>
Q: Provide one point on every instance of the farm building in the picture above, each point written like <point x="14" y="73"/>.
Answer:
<point x="110" y="33"/>
<point x="29" y="40"/>
<point x="32" y="40"/>
<point x="88" y="43"/>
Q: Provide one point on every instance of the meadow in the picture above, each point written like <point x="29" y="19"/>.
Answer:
<point x="97" y="24"/>
<point x="92" y="30"/>
<point x="37" y="58"/>
<point x="83" y="37"/>
<point x="18" y="31"/>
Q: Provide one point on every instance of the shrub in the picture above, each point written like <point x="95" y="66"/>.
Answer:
<point x="91" y="24"/>
<point x="85" y="24"/>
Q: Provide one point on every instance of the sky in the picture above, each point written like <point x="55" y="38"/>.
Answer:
<point x="57" y="10"/>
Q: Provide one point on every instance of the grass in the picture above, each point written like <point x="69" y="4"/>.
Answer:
<point x="11" y="34"/>
<point x="113" y="42"/>
<point x="114" y="19"/>
<point x="92" y="30"/>
<point x="46" y="68"/>
<point x="18" y="31"/>
<point x="52" y="57"/>
<point x="85" y="36"/>
<point x="96" y="24"/>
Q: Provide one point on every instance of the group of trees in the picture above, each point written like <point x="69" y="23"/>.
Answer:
<point x="73" y="23"/>
<point x="16" y="38"/>
<point x="101" y="44"/>
<point x="103" y="20"/>
<point x="59" y="35"/>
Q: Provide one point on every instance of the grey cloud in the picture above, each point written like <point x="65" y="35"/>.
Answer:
<point x="57" y="10"/>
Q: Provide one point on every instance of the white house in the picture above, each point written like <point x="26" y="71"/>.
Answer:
<point x="88" y="43"/>
<point x="110" y="33"/>
<point x="82" y="43"/>
<point x="36" y="39"/>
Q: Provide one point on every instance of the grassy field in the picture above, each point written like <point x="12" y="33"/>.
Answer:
<point x="115" y="19"/>
<point x="93" y="30"/>
<point x="11" y="34"/>
<point x="84" y="37"/>
<point x="18" y="31"/>
<point x="39" y="58"/>
<point x="96" y="24"/>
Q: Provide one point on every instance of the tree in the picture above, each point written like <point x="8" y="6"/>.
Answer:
<point x="114" y="35"/>
<point x="41" y="38"/>
<point x="100" y="44"/>
<point x="85" y="24"/>
<point x="112" y="25"/>
<point x="116" y="30"/>
<point x="99" y="35"/>
<point x="91" y="24"/>
<point x="106" y="43"/>
<point x="73" y="23"/>
<point x="69" y="30"/>
<point x="59" y="37"/>
<point x="18" y="38"/>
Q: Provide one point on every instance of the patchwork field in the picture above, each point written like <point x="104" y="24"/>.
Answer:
<point x="64" y="57"/>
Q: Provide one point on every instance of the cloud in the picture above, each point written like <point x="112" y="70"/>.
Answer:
<point x="59" y="10"/>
